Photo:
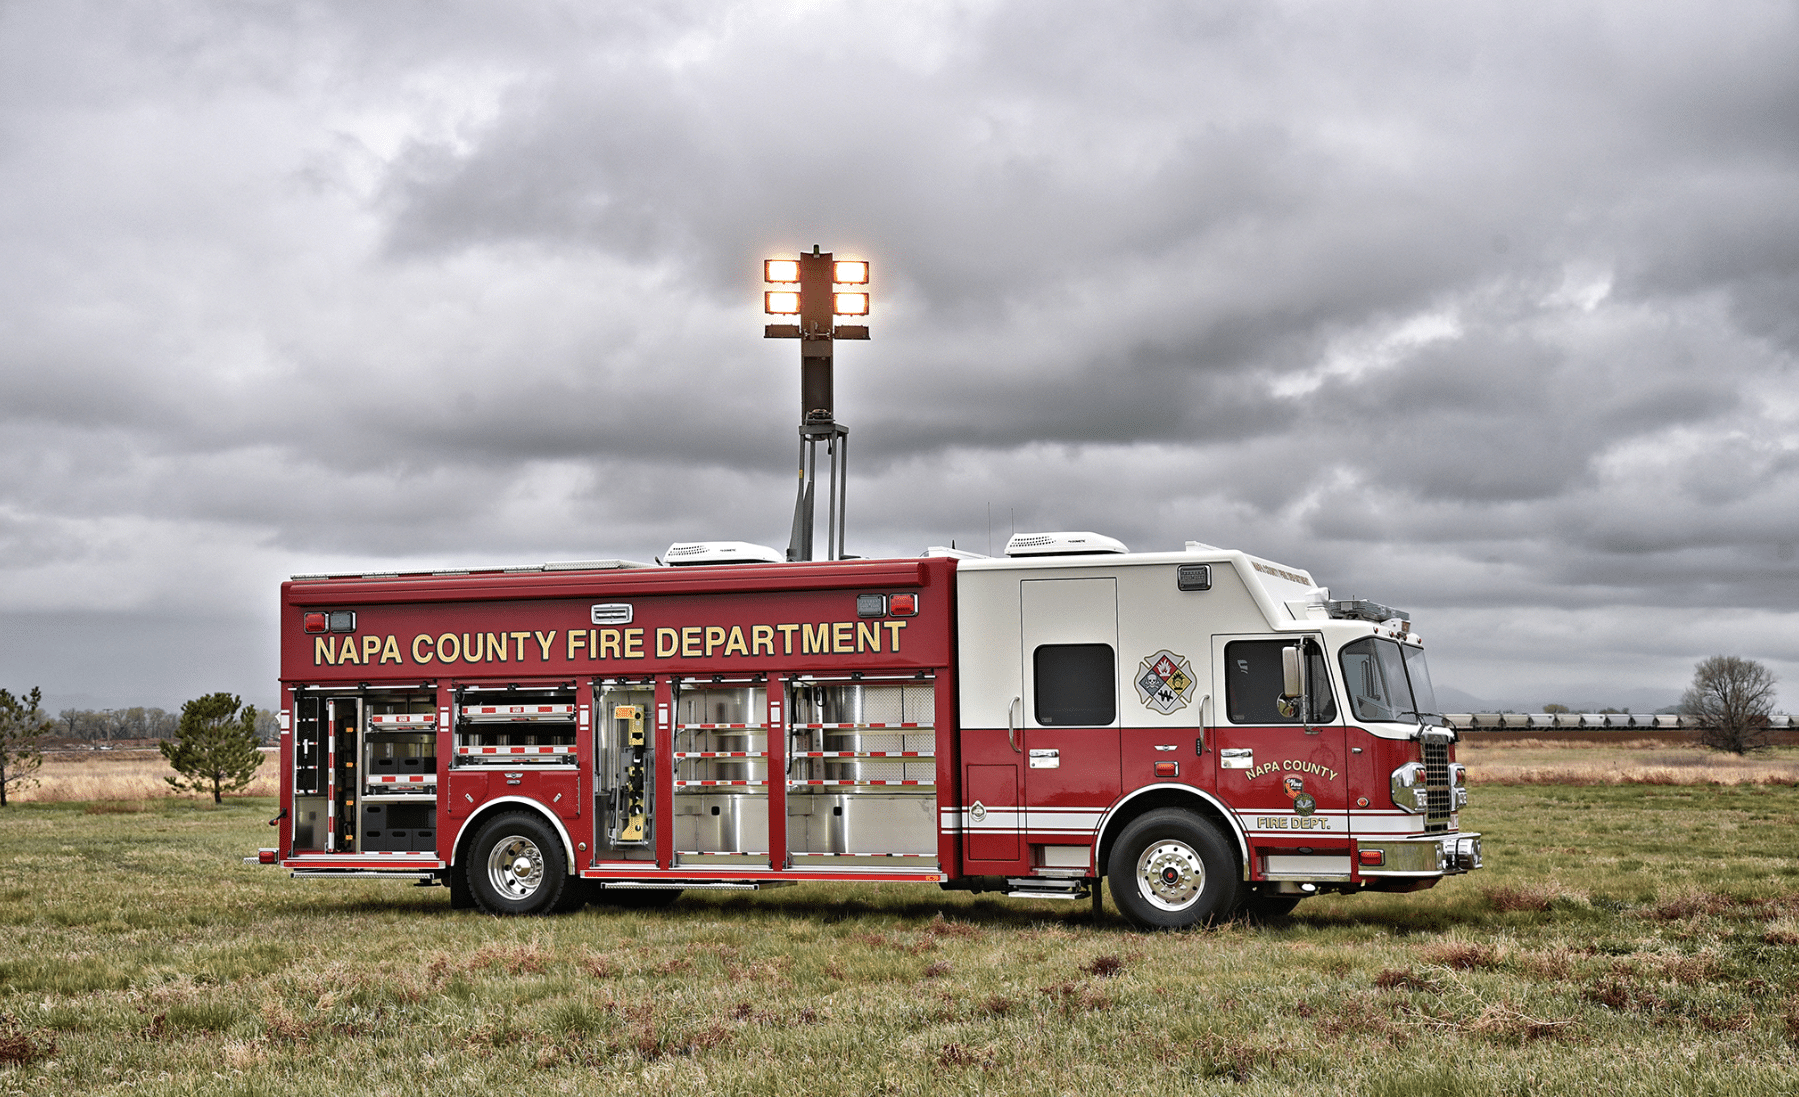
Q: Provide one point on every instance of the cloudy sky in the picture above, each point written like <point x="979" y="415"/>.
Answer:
<point x="1488" y="311"/>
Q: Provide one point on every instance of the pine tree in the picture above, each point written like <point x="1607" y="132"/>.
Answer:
<point x="214" y="747"/>
<point x="20" y="726"/>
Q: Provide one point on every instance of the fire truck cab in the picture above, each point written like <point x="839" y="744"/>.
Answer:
<point x="1206" y="730"/>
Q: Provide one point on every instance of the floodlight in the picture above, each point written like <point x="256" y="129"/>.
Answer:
<point x="850" y="274"/>
<point x="781" y="303"/>
<point x="781" y="270"/>
<point x="850" y="304"/>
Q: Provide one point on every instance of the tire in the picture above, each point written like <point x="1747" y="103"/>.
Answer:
<point x="1170" y="870"/>
<point x="637" y="898"/>
<point x="515" y="866"/>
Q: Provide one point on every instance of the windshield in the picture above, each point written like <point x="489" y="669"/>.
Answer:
<point x="1385" y="684"/>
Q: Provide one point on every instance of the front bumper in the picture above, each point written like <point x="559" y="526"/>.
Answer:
<point x="1427" y="855"/>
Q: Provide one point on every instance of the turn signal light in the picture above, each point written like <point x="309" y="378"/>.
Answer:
<point x="1168" y="769"/>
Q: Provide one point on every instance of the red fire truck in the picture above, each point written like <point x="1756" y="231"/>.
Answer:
<point x="1207" y="730"/>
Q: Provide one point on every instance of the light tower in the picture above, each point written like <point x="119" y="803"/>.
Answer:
<point x="807" y="288"/>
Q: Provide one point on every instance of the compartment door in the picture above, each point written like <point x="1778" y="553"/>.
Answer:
<point x="1071" y="686"/>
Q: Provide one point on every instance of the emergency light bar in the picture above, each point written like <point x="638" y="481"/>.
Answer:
<point x="1361" y="609"/>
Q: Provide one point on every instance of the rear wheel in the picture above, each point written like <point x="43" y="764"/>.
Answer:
<point x="515" y="866"/>
<point x="1169" y="870"/>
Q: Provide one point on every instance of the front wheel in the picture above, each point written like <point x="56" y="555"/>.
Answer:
<point x="1170" y="870"/>
<point x="515" y="866"/>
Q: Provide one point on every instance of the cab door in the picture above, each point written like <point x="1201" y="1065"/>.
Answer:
<point x="1283" y="770"/>
<point x="1070" y="727"/>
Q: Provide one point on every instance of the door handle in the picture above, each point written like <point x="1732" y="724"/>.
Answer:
<point x="1012" y="723"/>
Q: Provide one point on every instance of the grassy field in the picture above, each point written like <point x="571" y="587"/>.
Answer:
<point x="1634" y="939"/>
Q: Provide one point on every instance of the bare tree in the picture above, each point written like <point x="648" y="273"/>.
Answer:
<point x="1732" y="697"/>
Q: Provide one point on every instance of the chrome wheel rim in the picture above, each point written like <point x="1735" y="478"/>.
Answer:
<point x="515" y="867"/>
<point x="1170" y="875"/>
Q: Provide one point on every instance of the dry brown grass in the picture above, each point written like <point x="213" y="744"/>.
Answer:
<point x="1626" y="762"/>
<point x="123" y="777"/>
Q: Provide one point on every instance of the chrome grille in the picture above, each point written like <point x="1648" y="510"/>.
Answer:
<point x="1438" y="803"/>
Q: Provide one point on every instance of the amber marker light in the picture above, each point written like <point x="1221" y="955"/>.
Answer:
<point x="850" y="304"/>
<point x="781" y="270"/>
<point x="781" y="303"/>
<point x="850" y="273"/>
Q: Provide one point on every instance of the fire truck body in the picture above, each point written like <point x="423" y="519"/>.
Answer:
<point x="1206" y="729"/>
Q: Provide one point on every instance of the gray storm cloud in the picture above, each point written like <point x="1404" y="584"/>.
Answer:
<point x="1487" y="311"/>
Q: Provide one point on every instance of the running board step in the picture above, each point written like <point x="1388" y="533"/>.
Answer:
<point x="360" y="874"/>
<point x="1033" y="887"/>
<point x="694" y="885"/>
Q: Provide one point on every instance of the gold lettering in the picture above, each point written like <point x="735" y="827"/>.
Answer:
<point x="421" y="638"/>
<point x="843" y="638"/>
<point x="735" y="643"/>
<point x="324" y="647"/>
<point x="763" y="635"/>
<point x="690" y="642"/>
<point x="868" y="636"/>
<point x="715" y="639"/>
<point x="893" y="631"/>
<point x="518" y="641"/>
<point x="472" y="651"/>
<point x="593" y="644"/>
<point x="544" y="641"/>
<point x="447" y="648"/>
<point x="816" y="643"/>
<point x="787" y="632"/>
<point x="496" y="647"/>
<point x="390" y="651"/>
<point x="609" y="642"/>
<point x="633" y="643"/>
<point x="371" y="648"/>
<point x="668" y="641"/>
<point x="346" y="652"/>
<point x="577" y="638"/>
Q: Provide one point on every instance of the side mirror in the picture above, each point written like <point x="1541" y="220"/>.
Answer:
<point x="1291" y="685"/>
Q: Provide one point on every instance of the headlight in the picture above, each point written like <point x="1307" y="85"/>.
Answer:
<point x="1407" y="784"/>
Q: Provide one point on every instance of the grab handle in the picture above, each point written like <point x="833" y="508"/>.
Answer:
<point x="1012" y="723"/>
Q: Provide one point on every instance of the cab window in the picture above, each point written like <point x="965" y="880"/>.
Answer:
<point x="1253" y="679"/>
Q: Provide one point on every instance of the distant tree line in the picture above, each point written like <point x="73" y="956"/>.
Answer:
<point x="111" y="724"/>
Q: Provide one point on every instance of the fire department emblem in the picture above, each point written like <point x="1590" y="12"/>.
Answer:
<point x="1295" y="788"/>
<point x="1165" y="681"/>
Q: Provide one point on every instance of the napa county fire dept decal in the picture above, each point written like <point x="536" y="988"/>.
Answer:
<point x="1165" y="681"/>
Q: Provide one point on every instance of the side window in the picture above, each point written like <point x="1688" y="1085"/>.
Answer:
<point x="1076" y="685"/>
<point x="1253" y="680"/>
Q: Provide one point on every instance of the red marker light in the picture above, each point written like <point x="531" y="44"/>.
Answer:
<point x="265" y="856"/>
<point x="1168" y="769"/>
<point x="1373" y="858"/>
<point x="903" y="605"/>
<point x="314" y="622"/>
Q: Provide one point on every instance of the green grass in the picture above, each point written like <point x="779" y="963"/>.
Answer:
<point x="1623" y="940"/>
